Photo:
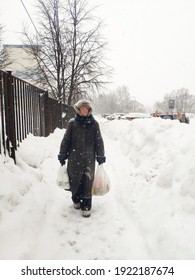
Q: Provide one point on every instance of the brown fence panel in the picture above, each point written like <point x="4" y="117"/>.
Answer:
<point x="3" y="111"/>
<point x="2" y="115"/>
<point x="57" y="114"/>
<point x="10" y="116"/>
<point x="68" y="112"/>
<point x="27" y="109"/>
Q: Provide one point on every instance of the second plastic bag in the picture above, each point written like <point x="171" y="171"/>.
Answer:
<point x="101" y="184"/>
<point x="62" y="178"/>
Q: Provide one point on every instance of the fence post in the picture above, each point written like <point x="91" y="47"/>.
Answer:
<point x="2" y="134"/>
<point x="10" y="118"/>
<point x="46" y="115"/>
<point x="60" y="116"/>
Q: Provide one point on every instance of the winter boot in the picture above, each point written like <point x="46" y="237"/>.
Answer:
<point x="86" y="213"/>
<point x="86" y="206"/>
<point x="77" y="205"/>
<point x="76" y="201"/>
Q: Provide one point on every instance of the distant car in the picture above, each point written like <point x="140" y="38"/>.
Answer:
<point x="132" y="116"/>
<point x="110" y="117"/>
<point x="115" y="116"/>
<point x="167" y="116"/>
<point x="105" y="115"/>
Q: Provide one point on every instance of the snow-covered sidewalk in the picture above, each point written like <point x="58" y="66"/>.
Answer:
<point x="148" y="214"/>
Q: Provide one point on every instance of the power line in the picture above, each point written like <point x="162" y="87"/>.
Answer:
<point x="29" y="16"/>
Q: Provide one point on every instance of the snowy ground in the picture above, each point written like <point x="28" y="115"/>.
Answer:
<point x="148" y="214"/>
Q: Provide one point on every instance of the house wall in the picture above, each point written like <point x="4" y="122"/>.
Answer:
<point x="19" y="59"/>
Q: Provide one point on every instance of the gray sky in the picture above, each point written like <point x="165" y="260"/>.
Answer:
<point x="152" y="42"/>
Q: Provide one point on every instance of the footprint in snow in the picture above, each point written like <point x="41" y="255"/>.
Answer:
<point x="73" y="244"/>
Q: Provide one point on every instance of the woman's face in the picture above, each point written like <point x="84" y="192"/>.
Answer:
<point x="84" y="111"/>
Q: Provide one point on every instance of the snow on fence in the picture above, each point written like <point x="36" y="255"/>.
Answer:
<point x="24" y="109"/>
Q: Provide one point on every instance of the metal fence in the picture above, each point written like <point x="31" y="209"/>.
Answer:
<point x="26" y="109"/>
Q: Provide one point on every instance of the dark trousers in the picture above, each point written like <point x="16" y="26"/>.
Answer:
<point x="83" y="194"/>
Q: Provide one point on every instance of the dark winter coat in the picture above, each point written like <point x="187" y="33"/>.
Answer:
<point x="81" y="143"/>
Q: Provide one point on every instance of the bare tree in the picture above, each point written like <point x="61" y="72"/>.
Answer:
<point x="117" y="101"/>
<point x="184" y="101"/>
<point x="3" y="55"/>
<point x="69" y="50"/>
<point x="164" y="105"/>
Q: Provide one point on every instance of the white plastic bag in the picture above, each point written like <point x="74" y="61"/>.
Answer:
<point x="101" y="184"/>
<point x="62" y="178"/>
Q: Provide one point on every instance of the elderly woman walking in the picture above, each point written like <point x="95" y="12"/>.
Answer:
<point x="81" y="145"/>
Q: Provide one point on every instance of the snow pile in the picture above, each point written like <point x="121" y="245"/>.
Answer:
<point x="148" y="214"/>
<point x="161" y="182"/>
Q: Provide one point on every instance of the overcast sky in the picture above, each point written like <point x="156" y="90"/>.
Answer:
<point x="152" y="42"/>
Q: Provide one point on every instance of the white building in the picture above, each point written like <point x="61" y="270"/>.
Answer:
<point x="20" y="60"/>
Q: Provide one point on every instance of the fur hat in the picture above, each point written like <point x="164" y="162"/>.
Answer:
<point x="82" y="103"/>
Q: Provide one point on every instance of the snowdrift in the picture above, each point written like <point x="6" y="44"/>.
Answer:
<point x="149" y="211"/>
